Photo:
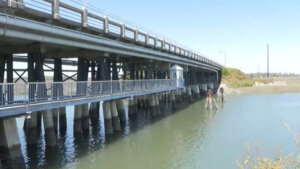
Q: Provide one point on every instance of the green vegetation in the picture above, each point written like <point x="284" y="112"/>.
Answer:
<point x="255" y="159"/>
<point x="234" y="78"/>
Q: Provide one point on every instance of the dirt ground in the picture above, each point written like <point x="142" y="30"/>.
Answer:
<point x="292" y="86"/>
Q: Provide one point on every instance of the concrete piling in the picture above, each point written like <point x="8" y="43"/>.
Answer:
<point x="189" y="94"/>
<point x="55" y="119"/>
<point x="77" y="119"/>
<point x="107" y="118"/>
<point x="157" y="105"/>
<point x="115" y="116"/>
<point x="62" y="119"/>
<point x="152" y="104"/>
<point x="50" y="136"/>
<point x="9" y="142"/>
<point x="10" y="148"/>
<point x="121" y="109"/>
<point x="85" y="117"/>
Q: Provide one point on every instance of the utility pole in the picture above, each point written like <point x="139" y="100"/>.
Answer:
<point x="268" y="75"/>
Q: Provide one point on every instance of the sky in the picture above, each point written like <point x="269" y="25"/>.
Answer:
<point x="241" y="29"/>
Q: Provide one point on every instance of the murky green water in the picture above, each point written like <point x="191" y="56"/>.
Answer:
<point x="189" y="138"/>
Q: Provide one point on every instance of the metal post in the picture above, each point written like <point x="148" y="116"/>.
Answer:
<point x="10" y="79"/>
<point x="55" y="9"/>
<point x="136" y="32"/>
<point x="155" y="41"/>
<point x="123" y="30"/>
<point x="147" y="39"/>
<point x="2" y="67"/>
<point x="105" y="24"/>
<point x="84" y="16"/>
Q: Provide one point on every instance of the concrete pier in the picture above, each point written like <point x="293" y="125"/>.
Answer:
<point x="10" y="148"/>
<point x="58" y="77"/>
<point x="157" y="105"/>
<point x="152" y="104"/>
<point x="9" y="142"/>
<point x="55" y="119"/>
<point x="115" y="116"/>
<point x="121" y="109"/>
<point x="189" y="94"/>
<point x="85" y="117"/>
<point x="107" y="118"/>
<point x="77" y="119"/>
<point x="62" y="119"/>
<point x="50" y="136"/>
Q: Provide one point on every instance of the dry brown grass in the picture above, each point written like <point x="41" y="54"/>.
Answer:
<point x="293" y="86"/>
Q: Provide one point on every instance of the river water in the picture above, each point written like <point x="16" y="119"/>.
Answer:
<point x="189" y="138"/>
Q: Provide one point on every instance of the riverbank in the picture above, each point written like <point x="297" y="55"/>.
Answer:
<point x="292" y="86"/>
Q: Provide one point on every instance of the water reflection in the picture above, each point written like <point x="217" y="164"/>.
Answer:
<point x="73" y="146"/>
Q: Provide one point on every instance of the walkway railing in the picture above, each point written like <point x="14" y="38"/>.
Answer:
<point x="87" y="16"/>
<point x="22" y="94"/>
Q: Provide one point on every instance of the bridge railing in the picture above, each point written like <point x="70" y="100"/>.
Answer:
<point x="22" y="94"/>
<point x="98" y="20"/>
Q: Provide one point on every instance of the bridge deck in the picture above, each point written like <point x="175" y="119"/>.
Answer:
<point x="86" y="28"/>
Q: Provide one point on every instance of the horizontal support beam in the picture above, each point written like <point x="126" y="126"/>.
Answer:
<point x="29" y="30"/>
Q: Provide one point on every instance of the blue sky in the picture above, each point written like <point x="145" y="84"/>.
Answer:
<point x="241" y="28"/>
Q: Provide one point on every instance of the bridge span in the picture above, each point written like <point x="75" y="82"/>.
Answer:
<point x="55" y="54"/>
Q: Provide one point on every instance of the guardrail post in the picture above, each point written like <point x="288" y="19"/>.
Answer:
<point x="136" y="33"/>
<point x="84" y="16"/>
<point x="147" y="39"/>
<point x="175" y="48"/>
<point x="55" y="9"/>
<point x="155" y="41"/>
<point x="12" y="3"/>
<point x="123" y="30"/>
<point x="105" y="24"/>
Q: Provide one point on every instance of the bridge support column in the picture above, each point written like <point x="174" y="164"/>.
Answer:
<point x="77" y="119"/>
<point x="50" y="136"/>
<point x="31" y="124"/>
<point x="81" y="111"/>
<point x="93" y="113"/>
<point x="85" y="117"/>
<point x="152" y="104"/>
<point x="10" y="148"/>
<point x="156" y="97"/>
<point x="107" y="118"/>
<point x="59" y="92"/>
<point x="62" y="119"/>
<point x="121" y="109"/>
<point x="115" y="116"/>
<point x="196" y="91"/>
<point x="55" y="119"/>
<point x="173" y="99"/>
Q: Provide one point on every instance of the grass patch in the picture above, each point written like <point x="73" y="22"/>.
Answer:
<point x="234" y="78"/>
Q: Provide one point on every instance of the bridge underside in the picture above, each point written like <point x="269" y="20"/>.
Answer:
<point x="38" y="59"/>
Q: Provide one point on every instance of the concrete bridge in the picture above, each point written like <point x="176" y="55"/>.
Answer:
<point x="78" y="55"/>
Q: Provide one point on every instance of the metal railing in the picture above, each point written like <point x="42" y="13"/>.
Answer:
<point x="28" y="93"/>
<point x="93" y="18"/>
